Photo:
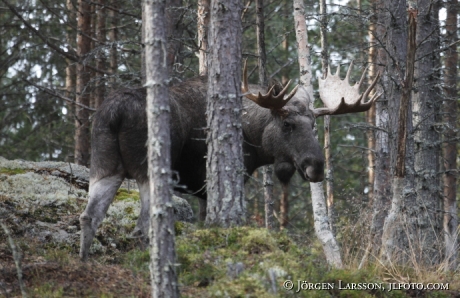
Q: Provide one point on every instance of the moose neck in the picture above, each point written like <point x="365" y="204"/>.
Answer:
<point x="255" y="120"/>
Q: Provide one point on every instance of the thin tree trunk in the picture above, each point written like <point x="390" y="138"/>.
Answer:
<point x="269" y="200"/>
<point x="174" y="31"/>
<point x="71" y="67"/>
<point x="268" y="170"/>
<point x="327" y="118"/>
<point x="370" y="114"/>
<point x="161" y="233"/>
<point x="82" y="134"/>
<point x="113" y="38"/>
<point x="450" y="138"/>
<point x="203" y="16"/>
<point x="322" y="227"/>
<point x="226" y="205"/>
<point x="99" y="91"/>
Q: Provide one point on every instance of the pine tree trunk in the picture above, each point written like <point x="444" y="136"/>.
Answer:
<point x="425" y="105"/>
<point x="450" y="138"/>
<point x="173" y="31"/>
<point x="226" y="205"/>
<point x="113" y="38"/>
<point x="82" y="134"/>
<point x="161" y="233"/>
<point x="99" y="92"/>
<point x="322" y="227"/>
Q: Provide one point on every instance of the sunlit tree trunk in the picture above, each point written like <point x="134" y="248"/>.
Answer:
<point x="82" y="134"/>
<point x="203" y="17"/>
<point x="322" y="227"/>
<point x="225" y="168"/>
<point x="161" y="233"/>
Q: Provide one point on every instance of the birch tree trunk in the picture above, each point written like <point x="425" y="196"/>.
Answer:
<point x="82" y="134"/>
<point x="161" y="233"/>
<point x="203" y="17"/>
<point x="327" y="118"/>
<point x="450" y="138"/>
<point x="322" y="227"/>
<point x="225" y="168"/>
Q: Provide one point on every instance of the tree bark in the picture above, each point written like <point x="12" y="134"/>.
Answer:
<point x="113" y="38"/>
<point x="327" y="118"/>
<point x="425" y="105"/>
<point x="161" y="233"/>
<point x="203" y="16"/>
<point x="82" y="134"/>
<point x="268" y="170"/>
<point x="450" y="221"/>
<point x="322" y="227"/>
<point x="99" y="92"/>
<point x="173" y="31"/>
<point x="225" y="168"/>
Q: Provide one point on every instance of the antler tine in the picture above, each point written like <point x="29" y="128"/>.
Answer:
<point x="341" y="98"/>
<point x="361" y="80"/>
<point x="369" y="89"/>
<point x="268" y="100"/>
<point x="347" y="77"/>
<point x="337" y="72"/>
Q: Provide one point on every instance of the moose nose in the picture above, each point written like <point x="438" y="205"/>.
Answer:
<point x="314" y="175"/>
<point x="313" y="169"/>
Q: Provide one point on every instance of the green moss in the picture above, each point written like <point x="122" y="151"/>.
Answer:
<point x="48" y="290"/>
<point x="8" y="171"/>
<point x="124" y="194"/>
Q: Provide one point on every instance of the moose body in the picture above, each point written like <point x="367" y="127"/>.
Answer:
<point x="282" y="136"/>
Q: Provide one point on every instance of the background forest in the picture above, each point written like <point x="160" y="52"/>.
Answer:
<point x="56" y="69"/>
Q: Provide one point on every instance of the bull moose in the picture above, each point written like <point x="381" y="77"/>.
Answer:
<point x="277" y="128"/>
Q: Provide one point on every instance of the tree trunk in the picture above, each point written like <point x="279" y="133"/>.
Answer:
<point x="450" y="138"/>
<point x="203" y="16"/>
<point x="322" y="227"/>
<point x="99" y="92"/>
<point x="391" y="35"/>
<point x="113" y="38"/>
<point x="268" y="170"/>
<point x="327" y="118"/>
<point x="425" y="105"/>
<point x="225" y="168"/>
<point x="161" y="233"/>
<point x="82" y="134"/>
<point x="394" y="230"/>
<point x="70" y="71"/>
<point x="173" y="31"/>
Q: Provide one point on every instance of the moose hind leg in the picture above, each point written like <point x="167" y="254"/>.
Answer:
<point x="101" y="194"/>
<point x="143" y="222"/>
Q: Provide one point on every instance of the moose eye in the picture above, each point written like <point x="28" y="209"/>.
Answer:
<point x="287" y="127"/>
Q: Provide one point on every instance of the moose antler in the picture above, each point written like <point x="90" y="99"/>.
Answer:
<point x="269" y="100"/>
<point x="341" y="98"/>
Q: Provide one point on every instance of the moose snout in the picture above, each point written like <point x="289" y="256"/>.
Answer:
<point x="314" y="170"/>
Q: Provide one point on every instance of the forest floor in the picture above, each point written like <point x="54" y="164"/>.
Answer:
<point x="41" y="210"/>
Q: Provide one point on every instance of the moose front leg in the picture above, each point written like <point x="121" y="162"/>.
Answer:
<point x="101" y="194"/>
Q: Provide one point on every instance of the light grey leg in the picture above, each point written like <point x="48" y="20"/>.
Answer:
<point x="142" y="226"/>
<point x="101" y="194"/>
